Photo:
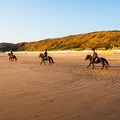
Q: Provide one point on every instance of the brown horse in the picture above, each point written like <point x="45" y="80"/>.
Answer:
<point x="48" y="58"/>
<point x="101" y="60"/>
<point x="12" y="57"/>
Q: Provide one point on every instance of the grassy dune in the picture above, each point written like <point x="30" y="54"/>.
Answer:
<point x="100" y="40"/>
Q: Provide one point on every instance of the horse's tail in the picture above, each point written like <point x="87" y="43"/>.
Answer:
<point x="15" y="58"/>
<point x="107" y="63"/>
<point x="52" y="60"/>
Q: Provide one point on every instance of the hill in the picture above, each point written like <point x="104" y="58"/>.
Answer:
<point x="6" y="46"/>
<point x="102" y="39"/>
<point x="99" y="40"/>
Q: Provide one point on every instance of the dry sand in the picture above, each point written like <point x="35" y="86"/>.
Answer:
<point x="66" y="90"/>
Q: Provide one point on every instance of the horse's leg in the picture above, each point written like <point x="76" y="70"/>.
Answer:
<point x="41" y="62"/>
<point x="44" y="62"/>
<point x="93" y="62"/>
<point x="102" y="65"/>
<point x="49" y="62"/>
<point x="93" y="65"/>
<point x="105" y="65"/>
<point x="89" y="65"/>
<point x="11" y="59"/>
<point x="15" y="58"/>
<point x="48" y="59"/>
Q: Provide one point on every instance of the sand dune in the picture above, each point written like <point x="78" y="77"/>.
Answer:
<point x="66" y="90"/>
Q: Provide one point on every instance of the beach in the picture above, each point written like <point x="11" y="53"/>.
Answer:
<point x="66" y="90"/>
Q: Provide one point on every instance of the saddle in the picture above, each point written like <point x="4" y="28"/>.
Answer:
<point x="97" y="60"/>
<point x="45" y="58"/>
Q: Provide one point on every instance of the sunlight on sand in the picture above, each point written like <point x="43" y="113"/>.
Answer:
<point x="66" y="90"/>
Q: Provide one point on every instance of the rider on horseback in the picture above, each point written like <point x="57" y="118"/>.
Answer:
<point x="95" y="55"/>
<point x="45" y="55"/>
<point x="11" y="53"/>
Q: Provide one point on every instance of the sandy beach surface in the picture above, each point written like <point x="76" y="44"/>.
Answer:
<point x="67" y="90"/>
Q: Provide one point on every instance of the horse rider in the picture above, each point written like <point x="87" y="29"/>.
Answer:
<point x="11" y="53"/>
<point x="45" y="55"/>
<point x="95" y="55"/>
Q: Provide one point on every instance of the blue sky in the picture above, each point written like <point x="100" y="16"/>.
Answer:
<point x="34" y="20"/>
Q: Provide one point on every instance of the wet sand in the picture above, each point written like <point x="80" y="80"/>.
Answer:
<point x="66" y="90"/>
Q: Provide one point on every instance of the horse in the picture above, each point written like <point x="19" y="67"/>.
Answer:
<point x="101" y="60"/>
<point x="48" y="58"/>
<point x="12" y="57"/>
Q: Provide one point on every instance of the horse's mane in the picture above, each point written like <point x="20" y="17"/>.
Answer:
<point x="89" y="55"/>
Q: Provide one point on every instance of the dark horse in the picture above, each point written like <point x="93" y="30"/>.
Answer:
<point x="101" y="60"/>
<point x="48" y="58"/>
<point x="12" y="57"/>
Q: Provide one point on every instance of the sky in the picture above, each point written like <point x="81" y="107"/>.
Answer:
<point x="34" y="20"/>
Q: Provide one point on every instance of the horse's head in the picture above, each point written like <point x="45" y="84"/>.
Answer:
<point x="8" y="54"/>
<point x="88" y="57"/>
<point x="40" y="55"/>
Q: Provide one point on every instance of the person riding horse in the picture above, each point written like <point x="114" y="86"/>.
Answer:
<point x="11" y="53"/>
<point x="95" y="55"/>
<point x="45" y="55"/>
<point x="101" y="60"/>
<point x="12" y="57"/>
<point x="45" y="58"/>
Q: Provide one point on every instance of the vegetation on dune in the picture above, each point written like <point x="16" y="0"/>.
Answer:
<point x="6" y="46"/>
<point x="98" y="40"/>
